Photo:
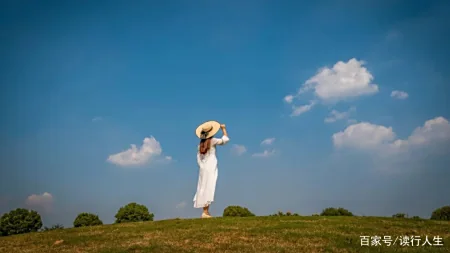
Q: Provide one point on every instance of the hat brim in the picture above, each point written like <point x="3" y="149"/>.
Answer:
<point x="215" y="128"/>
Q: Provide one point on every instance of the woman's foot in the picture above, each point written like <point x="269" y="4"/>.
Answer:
<point x="205" y="215"/>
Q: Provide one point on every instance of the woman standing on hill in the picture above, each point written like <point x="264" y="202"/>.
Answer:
<point x="207" y="163"/>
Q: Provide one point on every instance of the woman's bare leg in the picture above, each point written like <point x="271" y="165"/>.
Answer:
<point x="206" y="210"/>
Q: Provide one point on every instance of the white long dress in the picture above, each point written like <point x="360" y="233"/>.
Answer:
<point x="208" y="172"/>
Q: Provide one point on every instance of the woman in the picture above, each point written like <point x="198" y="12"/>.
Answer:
<point x="207" y="163"/>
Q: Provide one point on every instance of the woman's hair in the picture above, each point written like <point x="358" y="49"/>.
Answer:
<point x="205" y="145"/>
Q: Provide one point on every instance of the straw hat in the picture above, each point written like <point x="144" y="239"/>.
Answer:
<point x="207" y="129"/>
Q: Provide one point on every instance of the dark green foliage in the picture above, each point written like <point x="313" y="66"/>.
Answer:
<point x="442" y="213"/>
<point x="331" y="211"/>
<point x="133" y="212"/>
<point x="54" y="227"/>
<point x="315" y="214"/>
<point x="416" y="218"/>
<point x="288" y="213"/>
<point x="399" y="215"/>
<point x="237" y="211"/>
<point x="20" y="221"/>
<point x="86" y="220"/>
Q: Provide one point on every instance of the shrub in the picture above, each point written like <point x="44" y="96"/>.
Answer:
<point x="54" y="227"/>
<point x="416" y="218"/>
<point x="288" y="213"/>
<point x="399" y="215"/>
<point x="331" y="211"/>
<point x="133" y="212"/>
<point x="442" y="213"/>
<point x="20" y="221"/>
<point x="237" y="211"/>
<point x="86" y="220"/>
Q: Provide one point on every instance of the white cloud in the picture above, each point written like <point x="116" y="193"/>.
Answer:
<point x="336" y="115"/>
<point x="238" y="149"/>
<point x="266" y="153"/>
<point x="363" y="135"/>
<point x="268" y="141"/>
<point x="135" y="156"/>
<point x="181" y="205"/>
<point x="44" y="201"/>
<point x="297" y="110"/>
<point x="288" y="99"/>
<point x="344" y="80"/>
<point x="373" y="137"/>
<point x="433" y="130"/>
<point x="399" y="94"/>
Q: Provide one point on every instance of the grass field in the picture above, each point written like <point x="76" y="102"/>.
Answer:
<point x="254" y="234"/>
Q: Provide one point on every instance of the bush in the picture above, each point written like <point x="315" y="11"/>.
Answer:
<point x="288" y="213"/>
<point x="237" y="211"/>
<point x="133" y="212"/>
<point x="54" y="227"/>
<point x="331" y="211"/>
<point x="442" y="213"/>
<point x="20" y="221"/>
<point x="399" y="215"/>
<point x="87" y="220"/>
<point x="416" y="218"/>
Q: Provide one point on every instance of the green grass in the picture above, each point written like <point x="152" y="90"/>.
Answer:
<point x="254" y="234"/>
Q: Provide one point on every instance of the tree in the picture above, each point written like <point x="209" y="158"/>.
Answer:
<point x="442" y="213"/>
<point x="399" y="215"/>
<point x="331" y="211"/>
<point x="20" y="221"/>
<point x="288" y="213"/>
<point x="86" y="220"/>
<point x="133" y="212"/>
<point x="237" y="211"/>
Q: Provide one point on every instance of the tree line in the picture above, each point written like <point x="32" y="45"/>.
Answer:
<point x="20" y="220"/>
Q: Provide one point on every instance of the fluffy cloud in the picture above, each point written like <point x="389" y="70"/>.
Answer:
<point x="44" y="201"/>
<point x="238" y="149"/>
<point x="363" y="135"/>
<point x="399" y="94"/>
<point x="343" y="81"/>
<point x="336" y="115"/>
<point x="368" y="136"/>
<point x="297" y="110"/>
<point x="268" y="141"/>
<point x="289" y="98"/>
<point x="434" y="130"/>
<point x="265" y="153"/>
<point x="135" y="156"/>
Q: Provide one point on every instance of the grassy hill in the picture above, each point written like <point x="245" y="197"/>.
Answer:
<point x="254" y="234"/>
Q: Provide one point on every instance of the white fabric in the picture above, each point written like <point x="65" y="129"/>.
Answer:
<point x="208" y="172"/>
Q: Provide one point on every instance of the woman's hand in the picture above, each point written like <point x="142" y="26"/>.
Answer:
<point x="224" y="130"/>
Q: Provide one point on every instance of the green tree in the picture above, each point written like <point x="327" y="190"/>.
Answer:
<point x="20" y="221"/>
<point x="331" y="211"/>
<point x="237" y="211"/>
<point x="133" y="212"/>
<point x="399" y="215"/>
<point x="86" y="220"/>
<point x="442" y="213"/>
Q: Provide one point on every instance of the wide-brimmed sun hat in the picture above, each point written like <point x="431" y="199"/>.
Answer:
<point x="207" y="129"/>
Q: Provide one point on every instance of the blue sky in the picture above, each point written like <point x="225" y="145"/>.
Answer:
<point x="353" y="96"/>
